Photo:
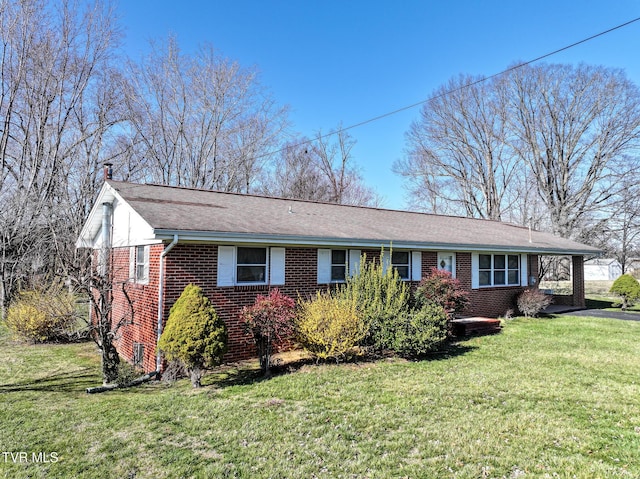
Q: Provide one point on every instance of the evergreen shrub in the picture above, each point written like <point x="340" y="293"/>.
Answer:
<point x="194" y="334"/>
<point x="628" y="288"/>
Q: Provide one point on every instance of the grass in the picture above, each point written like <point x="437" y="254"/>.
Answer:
<point x="557" y="397"/>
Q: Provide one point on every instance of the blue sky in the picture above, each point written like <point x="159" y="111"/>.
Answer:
<point x="341" y="61"/>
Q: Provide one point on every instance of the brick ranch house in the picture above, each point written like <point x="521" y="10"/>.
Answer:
<point x="236" y="246"/>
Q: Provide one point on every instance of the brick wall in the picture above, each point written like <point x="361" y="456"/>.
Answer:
<point x="142" y="328"/>
<point x="197" y="263"/>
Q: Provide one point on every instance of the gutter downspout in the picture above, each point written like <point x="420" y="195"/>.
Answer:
<point x="161" y="298"/>
<point x="106" y="239"/>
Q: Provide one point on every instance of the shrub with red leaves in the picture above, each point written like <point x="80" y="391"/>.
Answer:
<point x="442" y="289"/>
<point x="270" y="320"/>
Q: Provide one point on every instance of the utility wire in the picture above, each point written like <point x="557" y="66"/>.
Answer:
<point x="448" y="92"/>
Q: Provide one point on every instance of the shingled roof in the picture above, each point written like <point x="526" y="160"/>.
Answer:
<point x="215" y="216"/>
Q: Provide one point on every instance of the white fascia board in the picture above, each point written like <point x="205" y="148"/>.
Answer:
<point x="289" y="240"/>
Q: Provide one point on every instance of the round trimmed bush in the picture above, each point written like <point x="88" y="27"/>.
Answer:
<point x="194" y="333"/>
<point x="628" y="288"/>
<point x="420" y="331"/>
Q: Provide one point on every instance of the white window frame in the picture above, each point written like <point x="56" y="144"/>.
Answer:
<point x="265" y="265"/>
<point x="492" y="270"/>
<point x="228" y="266"/>
<point x="139" y="264"/>
<point x="325" y="264"/>
<point x="344" y="265"/>
<point x="407" y="264"/>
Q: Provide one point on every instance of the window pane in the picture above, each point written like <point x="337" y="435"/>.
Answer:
<point x="485" y="278"/>
<point x="400" y="257"/>
<point x="140" y="272"/>
<point x="338" y="273"/>
<point x="403" y="271"/>
<point x="251" y="274"/>
<point x="252" y="256"/>
<point x="513" y="277"/>
<point x="514" y="262"/>
<point x="140" y="254"/>
<point x="498" y="277"/>
<point x="498" y="261"/>
<point x="484" y="261"/>
<point x="338" y="256"/>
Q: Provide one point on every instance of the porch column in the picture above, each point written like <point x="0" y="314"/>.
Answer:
<point x="578" y="281"/>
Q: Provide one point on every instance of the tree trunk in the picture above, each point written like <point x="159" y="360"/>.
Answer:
<point x="196" y="376"/>
<point x="110" y="362"/>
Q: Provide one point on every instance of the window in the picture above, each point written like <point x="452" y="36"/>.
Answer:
<point x="338" y="264"/>
<point x="251" y="265"/>
<point x="139" y="264"/>
<point x="400" y="260"/>
<point x="138" y="354"/>
<point x="498" y="270"/>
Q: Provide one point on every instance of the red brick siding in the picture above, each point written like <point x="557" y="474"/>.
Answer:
<point x="144" y="301"/>
<point x="578" y="281"/>
<point x="197" y="263"/>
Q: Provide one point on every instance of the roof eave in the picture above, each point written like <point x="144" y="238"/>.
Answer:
<point x="295" y="240"/>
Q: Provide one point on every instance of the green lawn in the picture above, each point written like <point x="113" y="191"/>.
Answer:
<point x="545" y="398"/>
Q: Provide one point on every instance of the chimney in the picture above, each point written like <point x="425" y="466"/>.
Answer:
<point x="108" y="171"/>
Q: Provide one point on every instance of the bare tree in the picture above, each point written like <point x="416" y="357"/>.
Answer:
<point x="541" y="145"/>
<point x="321" y="169"/>
<point x="573" y="126"/>
<point x="200" y="121"/>
<point x="458" y="158"/>
<point x="52" y="61"/>
<point x="96" y="279"/>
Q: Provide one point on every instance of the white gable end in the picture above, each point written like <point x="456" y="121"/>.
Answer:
<point x="128" y="227"/>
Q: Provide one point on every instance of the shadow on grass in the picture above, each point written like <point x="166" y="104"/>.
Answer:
<point x="451" y="350"/>
<point x="232" y="376"/>
<point x="598" y="303"/>
<point x="239" y="375"/>
<point x="75" y="381"/>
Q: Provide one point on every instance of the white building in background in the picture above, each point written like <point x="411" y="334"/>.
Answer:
<point x="603" y="269"/>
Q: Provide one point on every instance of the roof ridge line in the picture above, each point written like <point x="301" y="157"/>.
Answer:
<point x="299" y="200"/>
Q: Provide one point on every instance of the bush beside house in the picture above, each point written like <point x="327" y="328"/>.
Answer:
<point x="194" y="333"/>
<point x="269" y="321"/>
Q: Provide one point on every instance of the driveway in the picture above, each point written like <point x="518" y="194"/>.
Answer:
<point x="601" y="313"/>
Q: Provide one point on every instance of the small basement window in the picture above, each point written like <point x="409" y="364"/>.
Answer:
<point x="138" y="354"/>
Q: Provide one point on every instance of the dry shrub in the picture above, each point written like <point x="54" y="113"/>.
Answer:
<point x="531" y="301"/>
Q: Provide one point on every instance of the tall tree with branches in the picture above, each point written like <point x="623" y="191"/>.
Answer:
<point x="541" y="144"/>
<point x="200" y="120"/>
<point x="55" y="62"/>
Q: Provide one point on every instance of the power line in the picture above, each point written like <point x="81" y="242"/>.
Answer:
<point x="455" y="90"/>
